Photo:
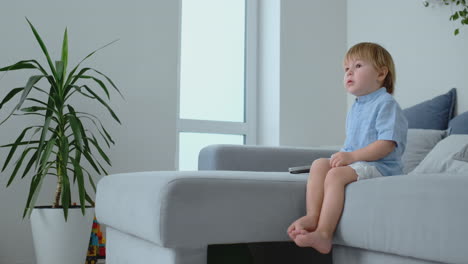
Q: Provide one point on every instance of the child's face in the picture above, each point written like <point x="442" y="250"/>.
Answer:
<point x="361" y="77"/>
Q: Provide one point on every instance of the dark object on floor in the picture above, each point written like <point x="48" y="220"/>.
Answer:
<point x="265" y="253"/>
<point x="229" y="254"/>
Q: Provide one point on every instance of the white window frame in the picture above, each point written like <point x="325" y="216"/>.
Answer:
<point x="248" y="128"/>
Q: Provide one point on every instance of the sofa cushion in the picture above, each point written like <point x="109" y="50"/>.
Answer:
<point x="196" y="208"/>
<point x="441" y="157"/>
<point x="419" y="143"/>
<point x="421" y="216"/>
<point x="434" y="113"/>
<point x="459" y="124"/>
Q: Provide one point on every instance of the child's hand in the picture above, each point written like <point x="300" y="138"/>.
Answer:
<point x="341" y="159"/>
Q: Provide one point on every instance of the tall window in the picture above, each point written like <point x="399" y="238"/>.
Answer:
<point x="217" y="76"/>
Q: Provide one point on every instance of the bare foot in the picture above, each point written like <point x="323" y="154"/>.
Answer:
<point x="318" y="240"/>
<point x="303" y="225"/>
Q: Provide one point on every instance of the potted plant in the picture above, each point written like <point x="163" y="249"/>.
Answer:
<point x="460" y="13"/>
<point x="59" y="145"/>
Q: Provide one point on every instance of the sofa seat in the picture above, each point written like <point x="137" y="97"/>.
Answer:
<point x="195" y="208"/>
<point x="419" y="216"/>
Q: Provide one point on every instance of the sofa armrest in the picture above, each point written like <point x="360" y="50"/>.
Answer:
<point x="258" y="158"/>
<point x="198" y="208"/>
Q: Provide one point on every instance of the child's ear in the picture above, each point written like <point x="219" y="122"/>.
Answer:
<point x="382" y="73"/>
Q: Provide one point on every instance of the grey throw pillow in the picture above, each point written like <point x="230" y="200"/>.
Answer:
<point x="459" y="124"/>
<point x="419" y="142"/>
<point x="441" y="158"/>
<point x="462" y="155"/>
<point x="432" y="114"/>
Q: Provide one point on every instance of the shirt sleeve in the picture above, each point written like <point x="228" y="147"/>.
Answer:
<point x="391" y="124"/>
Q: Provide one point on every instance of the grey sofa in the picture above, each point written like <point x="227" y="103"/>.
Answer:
<point x="244" y="194"/>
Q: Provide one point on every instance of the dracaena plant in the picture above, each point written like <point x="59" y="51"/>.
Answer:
<point x="61" y="143"/>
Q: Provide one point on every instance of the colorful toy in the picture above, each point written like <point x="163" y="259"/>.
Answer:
<point x="97" y="244"/>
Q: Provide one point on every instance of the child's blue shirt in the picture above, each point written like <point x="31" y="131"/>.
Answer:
<point x="377" y="116"/>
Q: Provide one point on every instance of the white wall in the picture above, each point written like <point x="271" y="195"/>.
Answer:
<point x="429" y="59"/>
<point x="143" y="64"/>
<point x="302" y="99"/>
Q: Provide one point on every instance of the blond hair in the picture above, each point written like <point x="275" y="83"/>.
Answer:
<point x="379" y="57"/>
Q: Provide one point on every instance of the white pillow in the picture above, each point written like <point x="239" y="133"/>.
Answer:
<point x="441" y="158"/>
<point x="418" y="144"/>
<point x="462" y="155"/>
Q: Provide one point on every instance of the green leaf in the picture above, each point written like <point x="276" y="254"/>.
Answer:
<point x="36" y="182"/>
<point x="19" y="144"/>
<point x="44" y="104"/>
<point x="80" y="180"/>
<point x="41" y="90"/>
<point x="78" y="155"/>
<point x="37" y="101"/>
<point x="64" y="54"/>
<point x="78" y="89"/>
<point x="72" y="79"/>
<point x="33" y="109"/>
<point x="108" y="135"/>
<point x="101" y="83"/>
<point x="37" y="65"/>
<point x="10" y="95"/>
<point x="80" y="125"/>
<point x="53" y="84"/>
<point x="103" y="170"/>
<point x="44" y="49"/>
<point x="43" y="135"/>
<point x="60" y="69"/>
<point x="64" y="149"/>
<point x="90" y="201"/>
<point x="110" y="81"/>
<point x="18" y="66"/>
<point x="98" y="129"/>
<point x="32" y="80"/>
<point x="463" y="13"/>
<point x="456" y="32"/>
<point x="65" y="194"/>
<point x="30" y="163"/>
<point x="18" y="165"/>
<point x="91" y="181"/>
<point x="47" y="150"/>
<point x="34" y="189"/>
<point x="76" y="131"/>
<point x="91" y="161"/>
<point x="97" y="119"/>
<point x="101" y="152"/>
<point x="48" y="118"/>
<point x="70" y="75"/>
<point x="27" y="89"/>
<point x="14" y="147"/>
<point x="104" y="103"/>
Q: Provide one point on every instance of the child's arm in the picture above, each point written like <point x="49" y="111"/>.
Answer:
<point x="371" y="152"/>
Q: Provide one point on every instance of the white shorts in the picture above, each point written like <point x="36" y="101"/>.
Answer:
<point x="364" y="170"/>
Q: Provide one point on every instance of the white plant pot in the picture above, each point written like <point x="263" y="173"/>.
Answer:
<point x="60" y="242"/>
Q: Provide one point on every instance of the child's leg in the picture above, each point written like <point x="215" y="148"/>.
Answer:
<point x="333" y="202"/>
<point x="314" y="198"/>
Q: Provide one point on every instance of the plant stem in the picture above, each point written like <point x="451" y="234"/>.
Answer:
<point x="58" y="190"/>
<point x="59" y="159"/>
